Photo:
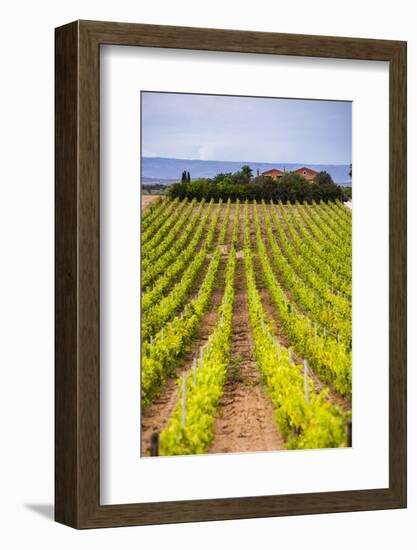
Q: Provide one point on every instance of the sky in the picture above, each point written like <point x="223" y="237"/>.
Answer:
<point x="215" y="127"/>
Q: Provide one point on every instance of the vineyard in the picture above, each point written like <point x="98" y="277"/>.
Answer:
<point x="246" y="326"/>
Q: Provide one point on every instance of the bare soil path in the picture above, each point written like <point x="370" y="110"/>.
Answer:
<point x="245" y="422"/>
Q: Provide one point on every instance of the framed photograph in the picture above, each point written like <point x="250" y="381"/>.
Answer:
<point x="230" y="274"/>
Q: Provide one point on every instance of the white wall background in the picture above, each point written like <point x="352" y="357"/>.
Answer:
<point x="26" y="272"/>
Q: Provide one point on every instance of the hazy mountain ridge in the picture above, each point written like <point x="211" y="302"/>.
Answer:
<point x="166" y="170"/>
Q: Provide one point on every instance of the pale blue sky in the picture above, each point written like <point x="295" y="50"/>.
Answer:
<point x="209" y="127"/>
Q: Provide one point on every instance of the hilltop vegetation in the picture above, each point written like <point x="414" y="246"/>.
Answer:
<point x="169" y="170"/>
<point x="243" y="186"/>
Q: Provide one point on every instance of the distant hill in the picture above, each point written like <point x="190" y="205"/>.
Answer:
<point x="167" y="170"/>
<point x="163" y="181"/>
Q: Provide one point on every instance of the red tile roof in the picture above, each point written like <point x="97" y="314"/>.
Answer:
<point x="274" y="173"/>
<point x="307" y="173"/>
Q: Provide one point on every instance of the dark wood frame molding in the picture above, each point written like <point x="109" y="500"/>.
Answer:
<point x="77" y="359"/>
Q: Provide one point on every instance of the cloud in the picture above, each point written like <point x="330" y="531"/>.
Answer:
<point x="212" y="127"/>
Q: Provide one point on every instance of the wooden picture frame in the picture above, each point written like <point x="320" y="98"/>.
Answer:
<point x="77" y="404"/>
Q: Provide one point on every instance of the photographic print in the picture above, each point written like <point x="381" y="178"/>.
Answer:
<point x="246" y="274"/>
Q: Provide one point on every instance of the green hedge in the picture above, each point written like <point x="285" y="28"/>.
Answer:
<point x="290" y="189"/>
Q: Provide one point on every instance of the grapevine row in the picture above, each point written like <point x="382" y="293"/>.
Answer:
<point x="312" y="253"/>
<point x="190" y="429"/>
<point x="326" y="236"/>
<point x="155" y="318"/>
<point x="341" y="249"/>
<point x="171" y="236"/>
<point x="326" y="355"/>
<point x="340" y="234"/>
<point x="154" y="295"/>
<point x="317" y="280"/>
<point x="342" y="211"/>
<point x="306" y="420"/>
<point x="160" y="356"/>
<point x="149" y="247"/>
<point x="152" y="213"/>
<point x="335" y="322"/>
<point x="335" y="275"/>
<point x="159" y="220"/>
<point x="312" y="268"/>
<point x="327" y="249"/>
<point x="343" y="224"/>
<point x="152" y="271"/>
<point x="146" y="214"/>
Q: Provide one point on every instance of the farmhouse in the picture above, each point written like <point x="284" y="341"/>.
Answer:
<point x="274" y="173"/>
<point x="308" y="173"/>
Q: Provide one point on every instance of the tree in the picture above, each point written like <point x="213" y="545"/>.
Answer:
<point x="246" y="172"/>
<point x="350" y="171"/>
<point x="347" y="190"/>
<point x="323" y="177"/>
<point x="292" y="186"/>
<point x="184" y="177"/>
<point x="188" y="177"/>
